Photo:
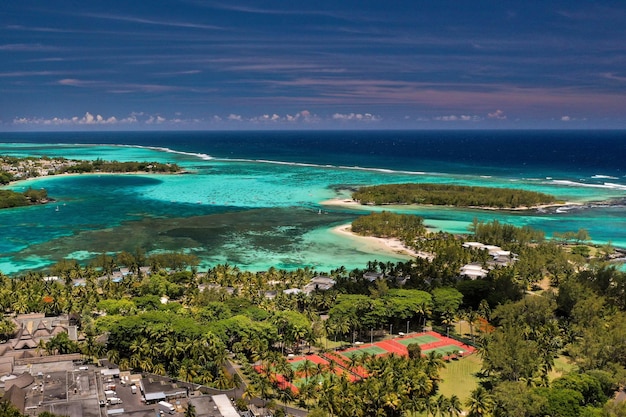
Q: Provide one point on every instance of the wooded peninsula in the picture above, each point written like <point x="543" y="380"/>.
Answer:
<point x="450" y="195"/>
<point x="16" y="169"/>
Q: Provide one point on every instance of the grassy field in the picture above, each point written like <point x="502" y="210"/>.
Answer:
<point x="459" y="377"/>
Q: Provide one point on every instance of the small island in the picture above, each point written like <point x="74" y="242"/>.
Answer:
<point x="451" y="195"/>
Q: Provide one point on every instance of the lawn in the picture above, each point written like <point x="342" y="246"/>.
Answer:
<point x="562" y="366"/>
<point x="459" y="377"/>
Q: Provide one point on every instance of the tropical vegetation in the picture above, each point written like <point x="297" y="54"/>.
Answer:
<point x="164" y="316"/>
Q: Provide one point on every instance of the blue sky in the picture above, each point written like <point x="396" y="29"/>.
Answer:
<point x="196" y="64"/>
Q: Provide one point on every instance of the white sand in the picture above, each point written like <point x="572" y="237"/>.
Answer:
<point x="340" y="202"/>
<point x="377" y="244"/>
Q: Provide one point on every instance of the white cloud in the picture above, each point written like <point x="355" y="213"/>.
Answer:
<point x="358" y="117"/>
<point x="498" y="114"/>
<point x="303" y="116"/>
<point x="459" y="118"/>
<point x="566" y="119"/>
<point x="95" y="120"/>
<point x="155" y="120"/>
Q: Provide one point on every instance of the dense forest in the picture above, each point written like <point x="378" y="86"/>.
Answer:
<point x="450" y="195"/>
<point x="551" y="304"/>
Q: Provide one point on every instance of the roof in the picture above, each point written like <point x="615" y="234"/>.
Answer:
<point x="16" y="396"/>
<point x="153" y="396"/>
<point x="22" y="381"/>
<point x="473" y="271"/>
<point x="224" y="405"/>
<point x="110" y="372"/>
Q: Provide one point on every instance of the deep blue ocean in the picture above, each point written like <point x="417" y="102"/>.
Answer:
<point x="255" y="199"/>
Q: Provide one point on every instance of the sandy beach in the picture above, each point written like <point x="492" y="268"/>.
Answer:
<point x="340" y="202"/>
<point x="377" y="244"/>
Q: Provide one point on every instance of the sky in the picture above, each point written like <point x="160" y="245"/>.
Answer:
<point x="289" y="64"/>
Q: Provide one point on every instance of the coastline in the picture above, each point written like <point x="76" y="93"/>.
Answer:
<point x="379" y="244"/>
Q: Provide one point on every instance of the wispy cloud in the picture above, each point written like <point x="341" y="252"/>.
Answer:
<point x="37" y="29"/>
<point x="125" y="88"/>
<point x="20" y="74"/>
<point x="154" y="22"/>
<point x="28" y="47"/>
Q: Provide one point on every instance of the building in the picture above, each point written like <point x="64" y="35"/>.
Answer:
<point x="473" y="271"/>
<point x="319" y="283"/>
<point x="498" y="256"/>
<point x="225" y="406"/>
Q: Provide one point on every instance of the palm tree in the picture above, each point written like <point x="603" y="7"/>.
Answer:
<point x="41" y="347"/>
<point x="158" y="369"/>
<point x="113" y="356"/>
<point x="441" y="405"/>
<point x="454" y="406"/>
<point x="480" y="403"/>
<point x="306" y="367"/>
<point x="471" y="316"/>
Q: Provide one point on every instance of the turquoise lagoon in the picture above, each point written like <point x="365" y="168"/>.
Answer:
<point x="257" y="212"/>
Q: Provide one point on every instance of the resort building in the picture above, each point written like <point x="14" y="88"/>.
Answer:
<point x="498" y="257"/>
<point x="33" y="330"/>
<point x="319" y="283"/>
<point x="473" y="271"/>
<point x="372" y="276"/>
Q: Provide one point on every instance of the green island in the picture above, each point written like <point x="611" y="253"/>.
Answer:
<point x="450" y="195"/>
<point x="539" y="331"/>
